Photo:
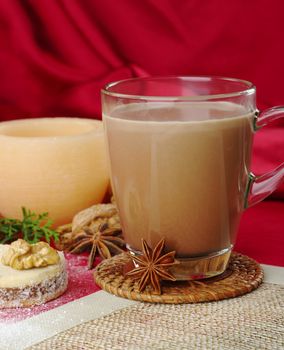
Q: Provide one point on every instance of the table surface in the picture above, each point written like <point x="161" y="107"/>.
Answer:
<point x="260" y="237"/>
<point x="21" y="329"/>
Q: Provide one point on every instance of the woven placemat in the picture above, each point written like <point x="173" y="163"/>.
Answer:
<point x="242" y="276"/>
<point x="253" y="321"/>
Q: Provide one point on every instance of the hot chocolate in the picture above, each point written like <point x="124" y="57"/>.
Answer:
<point x="179" y="171"/>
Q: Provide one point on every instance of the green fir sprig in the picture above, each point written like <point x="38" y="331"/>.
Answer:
<point x="32" y="228"/>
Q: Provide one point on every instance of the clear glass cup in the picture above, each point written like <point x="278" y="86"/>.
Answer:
<point x="180" y="153"/>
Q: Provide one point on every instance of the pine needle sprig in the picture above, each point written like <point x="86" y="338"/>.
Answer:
<point x="32" y="228"/>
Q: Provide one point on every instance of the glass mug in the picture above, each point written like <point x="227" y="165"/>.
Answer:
<point x="179" y="153"/>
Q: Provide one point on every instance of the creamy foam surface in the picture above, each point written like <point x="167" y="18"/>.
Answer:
<point x="179" y="111"/>
<point x="179" y="171"/>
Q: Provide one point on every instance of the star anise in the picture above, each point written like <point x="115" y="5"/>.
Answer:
<point x="152" y="266"/>
<point x="105" y="241"/>
<point x="96" y="229"/>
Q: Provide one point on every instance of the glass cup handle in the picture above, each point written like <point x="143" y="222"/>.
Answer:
<point x="259" y="187"/>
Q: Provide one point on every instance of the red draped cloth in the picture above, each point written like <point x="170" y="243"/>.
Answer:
<point x="55" y="56"/>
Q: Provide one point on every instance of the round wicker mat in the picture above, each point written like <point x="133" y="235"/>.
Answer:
<point x="242" y="276"/>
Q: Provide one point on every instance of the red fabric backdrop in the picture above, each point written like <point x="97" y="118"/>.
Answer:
<point x="55" y="55"/>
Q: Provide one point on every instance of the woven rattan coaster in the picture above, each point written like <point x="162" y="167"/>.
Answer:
<point x="242" y="276"/>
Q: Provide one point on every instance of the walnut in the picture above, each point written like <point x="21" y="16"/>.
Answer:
<point x="96" y="229"/>
<point x="92" y="218"/>
<point x="99" y="213"/>
<point x="22" y="256"/>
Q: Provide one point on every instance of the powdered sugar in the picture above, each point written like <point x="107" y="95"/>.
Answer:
<point x="80" y="283"/>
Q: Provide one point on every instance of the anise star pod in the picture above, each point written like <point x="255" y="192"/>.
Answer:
<point x="153" y="266"/>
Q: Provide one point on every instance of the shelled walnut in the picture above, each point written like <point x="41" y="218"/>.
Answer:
<point x="21" y="255"/>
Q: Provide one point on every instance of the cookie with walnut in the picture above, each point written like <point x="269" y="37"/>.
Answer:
<point x="30" y="274"/>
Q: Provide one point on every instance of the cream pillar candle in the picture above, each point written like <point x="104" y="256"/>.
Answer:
<point x="56" y="165"/>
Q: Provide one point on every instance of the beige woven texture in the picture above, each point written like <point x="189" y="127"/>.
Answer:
<point x="244" y="275"/>
<point x="253" y="321"/>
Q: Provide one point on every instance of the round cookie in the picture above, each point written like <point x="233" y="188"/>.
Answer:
<point x="26" y="288"/>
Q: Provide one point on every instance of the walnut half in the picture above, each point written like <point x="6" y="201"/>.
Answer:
<point x="23" y="256"/>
